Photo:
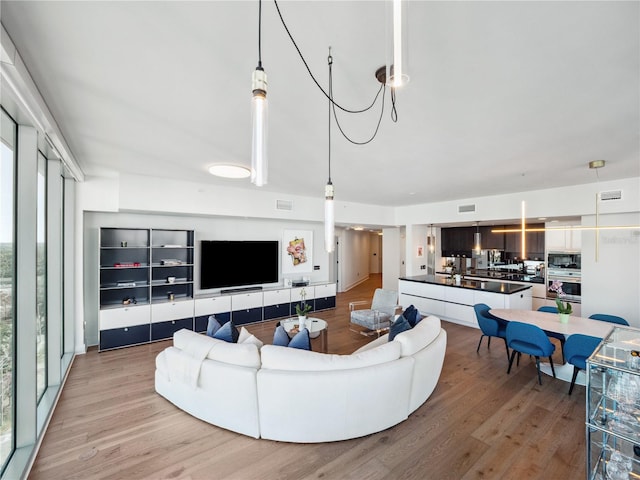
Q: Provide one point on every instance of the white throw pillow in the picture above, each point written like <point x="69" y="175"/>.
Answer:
<point x="247" y="337"/>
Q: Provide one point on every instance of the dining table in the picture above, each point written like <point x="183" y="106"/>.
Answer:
<point x="550" y="322"/>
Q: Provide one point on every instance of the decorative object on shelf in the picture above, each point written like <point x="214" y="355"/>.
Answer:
<point x="171" y="279"/>
<point x="126" y="264"/>
<point x="170" y="261"/>
<point x="123" y="244"/>
<point x="564" y="308"/>
<point x="129" y="301"/>
<point x="171" y="296"/>
<point x="302" y="311"/>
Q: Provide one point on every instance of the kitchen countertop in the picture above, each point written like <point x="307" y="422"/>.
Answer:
<point x="501" y="275"/>
<point x="488" y="286"/>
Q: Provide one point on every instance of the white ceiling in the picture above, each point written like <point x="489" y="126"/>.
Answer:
<point x="504" y="96"/>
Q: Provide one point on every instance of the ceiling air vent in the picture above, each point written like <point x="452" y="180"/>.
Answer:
<point x="284" y="205"/>
<point x="467" y="208"/>
<point x="611" y="195"/>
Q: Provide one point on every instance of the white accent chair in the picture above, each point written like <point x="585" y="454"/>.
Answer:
<point x="377" y="318"/>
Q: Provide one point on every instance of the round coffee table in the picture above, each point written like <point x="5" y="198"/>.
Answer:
<point x="316" y="326"/>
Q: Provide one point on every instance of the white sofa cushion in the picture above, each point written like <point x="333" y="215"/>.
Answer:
<point x="242" y="354"/>
<point x="293" y="359"/>
<point x="419" y="336"/>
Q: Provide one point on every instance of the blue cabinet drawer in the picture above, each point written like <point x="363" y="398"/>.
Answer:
<point x="325" y="303"/>
<point x="277" y="311"/>
<point x="124" y="336"/>
<point x="202" y="321"/>
<point x="249" y="315"/>
<point x="162" y="330"/>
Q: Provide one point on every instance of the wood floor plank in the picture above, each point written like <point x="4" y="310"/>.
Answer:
<point x="479" y="423"/>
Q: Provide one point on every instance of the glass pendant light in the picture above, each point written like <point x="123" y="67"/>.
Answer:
<point x="259" y="108"/>
<point x="397" y="51"/>
<point x="477" y="241"/>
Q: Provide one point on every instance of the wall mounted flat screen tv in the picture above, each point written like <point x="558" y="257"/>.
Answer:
<point x="236" y="263"/>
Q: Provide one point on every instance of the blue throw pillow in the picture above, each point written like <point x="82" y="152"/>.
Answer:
<point x="227" y="332"/>
<point x="212" y="326"/>
<point x="280" y="337"/>
<point x="411" y="314"/>
<point x="399" y="326"/>
<point x="301" y="340"/>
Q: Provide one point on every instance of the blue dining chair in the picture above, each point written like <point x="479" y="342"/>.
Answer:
<point x="557" y="336"/>
<point x="531" y="340"/>
<point x="577" y="349"/>
<point x="609" y="318"/>
<point x="491" y="326"/>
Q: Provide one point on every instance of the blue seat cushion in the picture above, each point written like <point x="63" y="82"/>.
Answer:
<point x="301" y="340"/>
<point x="227" y="332"/>
<point x="400" y="325"/>
<point x="531" y="349"/>
<point x="212" y="326"/>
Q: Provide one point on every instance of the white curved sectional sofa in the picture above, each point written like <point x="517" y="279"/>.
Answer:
<point x="293" y="395"/>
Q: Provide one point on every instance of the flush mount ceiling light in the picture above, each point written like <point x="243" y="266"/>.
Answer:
<point x="229" y="171"/>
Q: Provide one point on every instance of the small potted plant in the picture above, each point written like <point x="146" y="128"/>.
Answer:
<point x="302" y="310"/>
<point x="564" y="308"/>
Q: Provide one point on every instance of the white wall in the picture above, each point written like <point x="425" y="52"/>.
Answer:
<point x="375" y="255"/>
<point x="390" y="259"/>
<point x="356" y="247"/>
<point x="572" y="201"/>
<point x="610" y="284"/>
<point x="416" y="236"/>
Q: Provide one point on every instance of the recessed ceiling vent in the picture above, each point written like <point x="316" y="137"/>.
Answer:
<point x="467" y="208"/>
<point x="611" y="195"/>
<point x="284" y="205"/>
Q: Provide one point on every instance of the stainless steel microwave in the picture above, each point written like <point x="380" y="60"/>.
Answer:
<point x="564" y="260"/>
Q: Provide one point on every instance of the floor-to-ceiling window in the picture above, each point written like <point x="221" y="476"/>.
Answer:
<point x="41" y="278"/>
<point x="7" y="285"/>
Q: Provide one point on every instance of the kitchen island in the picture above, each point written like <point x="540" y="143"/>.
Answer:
<point x="444" y="298"/>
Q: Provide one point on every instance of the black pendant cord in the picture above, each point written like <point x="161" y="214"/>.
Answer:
<point x="328" y="95"/>
<point x="335" y="115"/>
<point x="330" y="62"/>
<point x="259" y="33"/>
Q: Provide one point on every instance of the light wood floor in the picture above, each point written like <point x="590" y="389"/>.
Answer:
<point x="479" y="423"/>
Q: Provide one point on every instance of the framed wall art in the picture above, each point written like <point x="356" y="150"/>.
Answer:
<point x="297" y="252"/>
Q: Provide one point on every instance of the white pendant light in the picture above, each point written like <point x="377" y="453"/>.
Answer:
<point x="259" y="108"/>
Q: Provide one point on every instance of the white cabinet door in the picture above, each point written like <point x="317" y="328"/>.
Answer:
<point x="494" y="300"/>
<point x="426" y="306"/>
<point x="323" y="291"/>
<point x="161" y="312"/>
<point x="422" y="289"/>
<point x="124" y="317"/>
<point x="212" y="305"/>
<point x="245" y="301"/>
<point x="296" y="293"/>
<point x="459" y="295"/>
<point x="277" y="297"/>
